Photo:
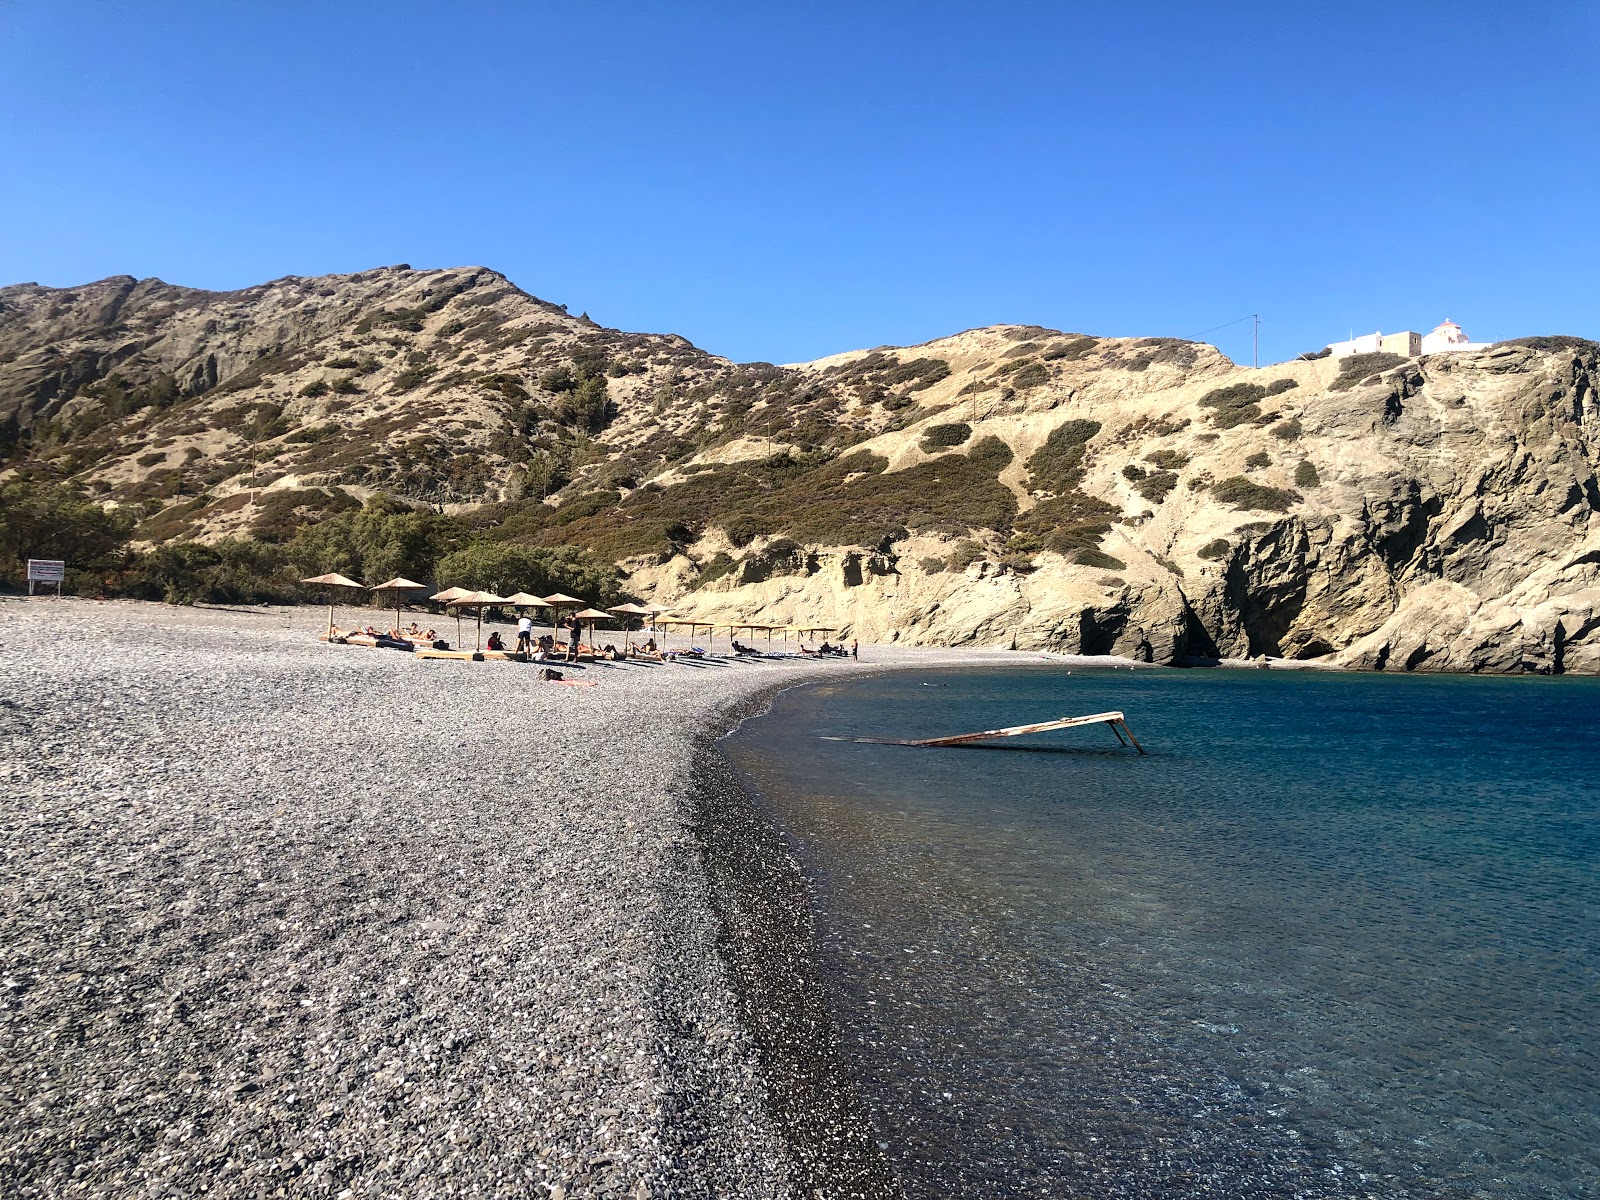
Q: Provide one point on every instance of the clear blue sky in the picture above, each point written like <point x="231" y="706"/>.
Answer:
<point x="781" y="181"/>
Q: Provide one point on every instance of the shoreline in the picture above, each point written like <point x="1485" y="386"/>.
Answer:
<point x="767" y="946"/>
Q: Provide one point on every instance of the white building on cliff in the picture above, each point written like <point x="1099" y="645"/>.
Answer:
<point x="1446" y="338"/>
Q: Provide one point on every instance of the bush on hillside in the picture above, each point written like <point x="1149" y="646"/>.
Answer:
<point x="1057" y="465"/>
<point x="1092" y="556"/>
<point x="1305" y="475"/>
<point x="941" y="437"/>
<point x="1287" y="430"/>
<point x="1031" y="375"/>
<point x="1156" y="487"/>
<point x="1359" y="368"/>
<point x="1242" y="493"/>
<point x="1235" y="404"/>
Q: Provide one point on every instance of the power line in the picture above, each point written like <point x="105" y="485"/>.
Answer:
<point x="1227" y="325"/>
<point x="1255" y="344"/>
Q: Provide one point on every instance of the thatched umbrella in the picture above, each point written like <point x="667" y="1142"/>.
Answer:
<point x="399" y="585"/>
<point x="526" y="600"/>
<point x="629" y="610"/>
<point x="557" y="601"/>
<point x="444" y="598"/>
<point x="478" y="601"/>
<point x="332" y="580"/>
<point x="590" y="616"/>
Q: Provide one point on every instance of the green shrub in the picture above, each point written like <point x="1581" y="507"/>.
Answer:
<point x="317" y="387"/>
<point x="346" y="386"/>
<point x="410" y="378"/>
<point x="1257" y="460"/>
<point x="990" y="453"/>
<point x="1134" y="472"/>
<point x="1091" y="556"/>
<point x="1031" y="375"/>
<point x="1167" y="460"/>
<point x="307" y="434"/>
<point x="713" y="569"/>
<point x="1242" y="493"/>
<point x="343" y="363"/>
<point x="1070" y="351"/>
<point x="744" y="529"/>
<point x="1359" y="368"/>
<point x="1213" y="550"/>
<point x="1305" y="475"/>
<point x="1235" y="404"/>
<point x="1058" y="464"/>
<point x="1071" y="521"/>
<point x="940" y="437"/>
<point x="963" y="554"/>
<point x="1279" y="386"/>
<point x="1155" y="488"/>
<point x="585" y="505"/>
<point x="1287" y="430"/>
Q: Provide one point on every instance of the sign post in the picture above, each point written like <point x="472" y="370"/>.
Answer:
<point x="46" y="570"/>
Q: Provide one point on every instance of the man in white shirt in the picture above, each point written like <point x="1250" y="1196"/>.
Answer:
<point x="525" y="635"/>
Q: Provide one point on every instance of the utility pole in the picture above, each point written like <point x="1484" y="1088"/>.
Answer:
<point x="1255" y="345"/>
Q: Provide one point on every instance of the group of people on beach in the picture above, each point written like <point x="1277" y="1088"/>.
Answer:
<point x="412" y="637"/>
<point x="548" y="647"/>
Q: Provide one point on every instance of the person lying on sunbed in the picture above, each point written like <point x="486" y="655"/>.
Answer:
<point x="413" y="631"/>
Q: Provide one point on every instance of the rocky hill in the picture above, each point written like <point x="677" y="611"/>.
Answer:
<point x="1009" y="485"/>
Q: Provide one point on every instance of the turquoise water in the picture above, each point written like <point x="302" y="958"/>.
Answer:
<point x="1338" y="935"/>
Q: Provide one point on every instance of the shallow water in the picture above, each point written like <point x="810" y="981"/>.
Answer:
<point x="1337" y="935"/>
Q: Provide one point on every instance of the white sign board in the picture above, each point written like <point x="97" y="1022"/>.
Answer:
<point x="46" y="570"/>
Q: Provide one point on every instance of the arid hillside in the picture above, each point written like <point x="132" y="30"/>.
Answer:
<point x="1007" y="486"/>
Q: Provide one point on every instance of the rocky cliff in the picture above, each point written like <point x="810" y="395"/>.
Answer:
<point x="1010" y="485"/>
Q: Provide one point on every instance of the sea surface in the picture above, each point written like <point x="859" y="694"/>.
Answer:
<point x="1337" y="935"/>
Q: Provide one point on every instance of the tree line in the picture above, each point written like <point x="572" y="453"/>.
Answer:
<point x="382" y="539"/>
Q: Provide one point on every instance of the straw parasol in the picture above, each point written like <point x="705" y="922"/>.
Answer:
<point x="332" y="580"/>
<point x="399" y="585"/>
<point x="559" y="600"/>
<point x="444" y="598"/>
<point x="478" y="601"/>
<point x="629" y="610"/>
<point x="524" y="600"/>
<point x="589" y="616"/>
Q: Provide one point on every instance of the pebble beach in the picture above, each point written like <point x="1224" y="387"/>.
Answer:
<point x="285" y="918"/>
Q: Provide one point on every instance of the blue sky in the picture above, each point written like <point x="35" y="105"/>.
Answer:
<point x="783" y="181"/>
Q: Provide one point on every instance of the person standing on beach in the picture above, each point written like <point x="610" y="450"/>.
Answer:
<point x="525" y="634"/>
<point x="572" y="639"/>
<point x="855" y="650"/>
